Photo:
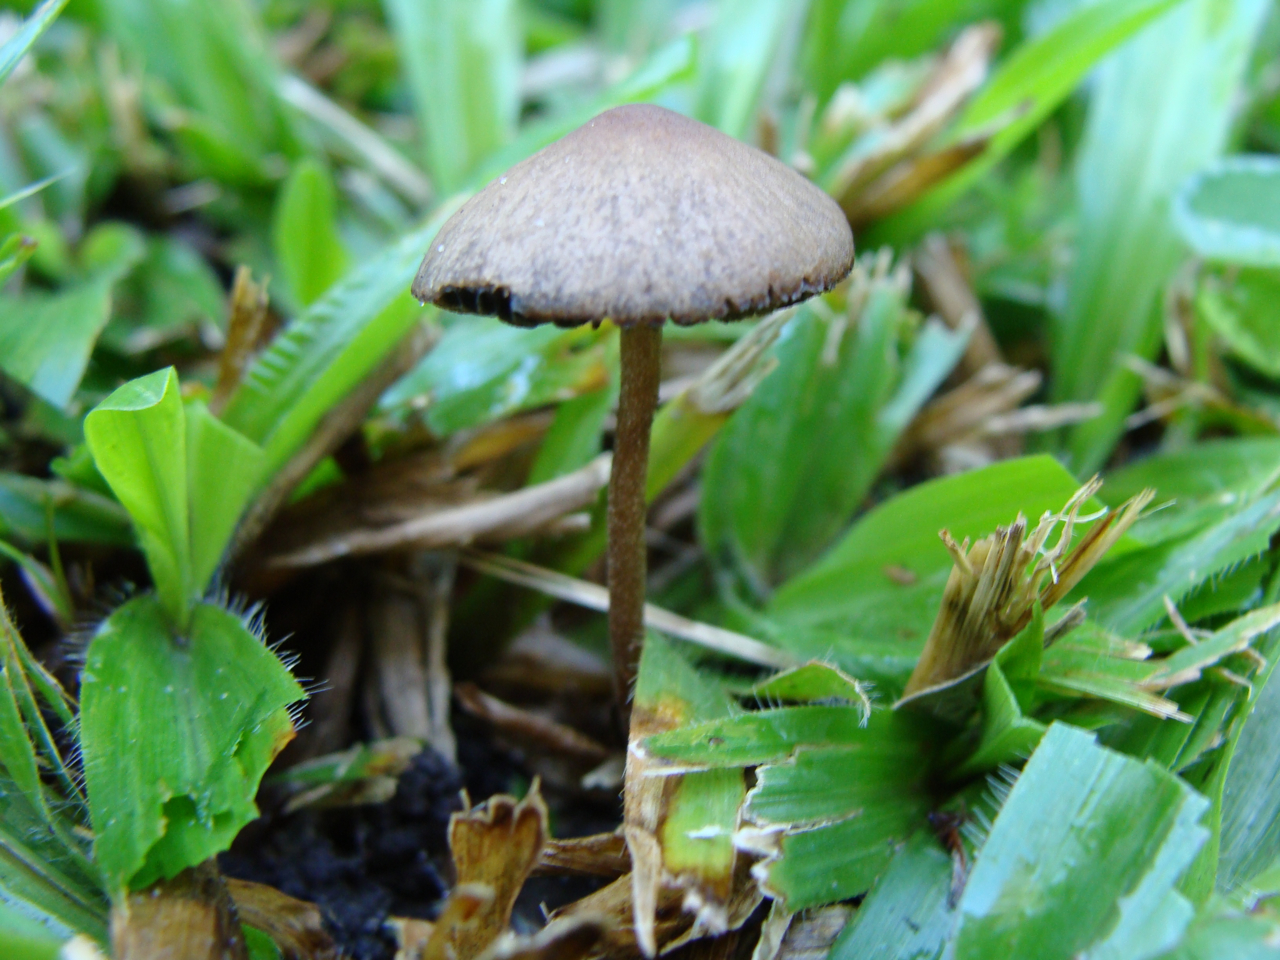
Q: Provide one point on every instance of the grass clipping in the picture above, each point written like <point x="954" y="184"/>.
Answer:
<point x="997" y="583"/>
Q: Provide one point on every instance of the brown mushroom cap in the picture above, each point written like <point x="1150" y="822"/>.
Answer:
<point x="640" y="215"/>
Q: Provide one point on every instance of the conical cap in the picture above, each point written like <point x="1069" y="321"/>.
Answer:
<point x="640" y="215"/>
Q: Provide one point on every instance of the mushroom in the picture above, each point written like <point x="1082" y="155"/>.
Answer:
<point x="639" y="216"/>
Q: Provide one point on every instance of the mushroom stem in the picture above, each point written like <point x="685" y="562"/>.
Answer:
<point x="637" y="398"/>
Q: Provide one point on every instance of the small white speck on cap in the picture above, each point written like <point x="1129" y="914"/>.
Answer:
<point x="539" y="222"/>
<point x="440" y="249"/>
<point x="502" y="179"/>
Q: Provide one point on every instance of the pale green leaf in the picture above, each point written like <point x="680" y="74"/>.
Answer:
<point x="46" y="338"/>
<point x="737" y="57"/>
<point x="138" y="439"/>
<point x="223" y="471"/>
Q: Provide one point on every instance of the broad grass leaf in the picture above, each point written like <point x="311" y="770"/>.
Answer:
<point x="1083" y="859"/>
<point x="203" y="714"/>
<point x="46" y="338"/>
<point x="759" y="736"/>
<point x="462" y="60"/>
<point x="827" y="818"/>
<point x="1227" y="213"/>
<point x="1159" y="111"/>
<point x="678" y="826"/>
<point x="574" y="436"/>
<point x="1226" y="935"/>
<point x="304" y="234"/>
<point x="138" y="439"/>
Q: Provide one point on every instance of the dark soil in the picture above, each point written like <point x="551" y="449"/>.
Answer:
<point x="362" y="865"/>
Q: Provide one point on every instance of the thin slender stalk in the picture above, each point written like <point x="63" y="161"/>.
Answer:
<point x="641" y="353"/>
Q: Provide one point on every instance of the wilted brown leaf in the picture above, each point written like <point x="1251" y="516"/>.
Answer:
<point x="295" y="926"/>
<point x="190" y="917"/>
<point x="495" y="847"/>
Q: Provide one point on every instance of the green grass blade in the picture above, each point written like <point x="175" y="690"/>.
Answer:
<point x="22" y="938"/>
<point x="34" y="510"/>
<point x="1083" y="859"/>
<point x="1226" y="936"/>
<point x="214" y="58"/>
<point x="1159" y="112"/>
<point x="1126" y="593"/>
<point x="46" y="339"/>
<point x="28" y="191"/>
<point x="845" y="39"/>
<point x="905" y="916"/>
<point x="483" y="370"/>
<point x="844" y="391"/>
<point x="327" y="351"/>
<point x="737" y="57"/>
<point x="1028" y="86"/>
<point x="1250" y="831"/>
<point x="462" y="59"/>
<point x="762" y="736"/>
<point x="16" y="47"/>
